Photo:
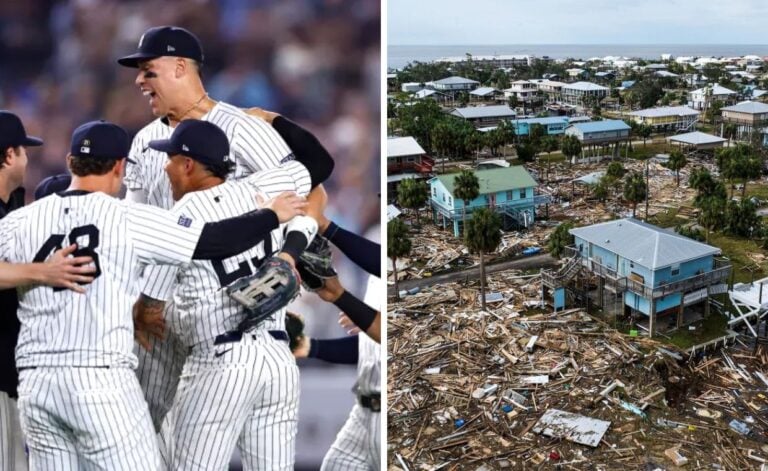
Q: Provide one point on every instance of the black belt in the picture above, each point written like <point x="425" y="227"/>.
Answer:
<point x="68" y="366"/>
<point x="372" y="401"/>
<point x="236" y="336"/>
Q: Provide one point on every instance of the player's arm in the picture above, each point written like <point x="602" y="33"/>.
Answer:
<point x="364" y="316"/>
<point x="60" y="271"/>
<point x="341" y="350"/>
<point x="364" y="253"/>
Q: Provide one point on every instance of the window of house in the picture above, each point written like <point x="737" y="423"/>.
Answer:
<point x="450" y="200"/>
<point x="443" y="198"/>
<point x="522" y="194"/>
<point x="675" y="270"/>
<point x="510" y="195"/>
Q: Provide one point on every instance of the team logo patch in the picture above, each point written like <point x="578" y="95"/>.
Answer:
<point x="171" y="49"/>
<point x="288" y="158"/>
<point x="184" y="148"/>
<point x="85" y="150"/>
<point x="185" y="221"/>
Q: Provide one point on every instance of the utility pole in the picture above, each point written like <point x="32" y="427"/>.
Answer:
<point x="647" y="187"/>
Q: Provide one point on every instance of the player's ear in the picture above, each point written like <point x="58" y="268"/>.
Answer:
<point x="189" y="165"/>
<point x="69" y="161"/>
<point x="181" y="67"/>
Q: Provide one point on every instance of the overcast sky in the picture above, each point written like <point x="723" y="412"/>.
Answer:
<point x="449" y="22"/>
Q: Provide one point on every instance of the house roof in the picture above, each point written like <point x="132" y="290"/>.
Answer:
<point x="585" y="86"/>
<point x="483" y="111"/>
<point x="628" y="83"/>
<point x="750" y="107"/>
<point x="543" y="121"/>
<point x="665" y="73"/>
<point x="696" y="138"/>
<point x="482" y="91"/>
<point x="599" y="126"/>
<point x="454" y="80"/>
<point x="402" y="146"/>
<point x="495" y="179"/>
<point x="645" y="244"/>
<point x="665" y="111"/>
<point x="716" y="90"/>
<point x="424" y="93"/>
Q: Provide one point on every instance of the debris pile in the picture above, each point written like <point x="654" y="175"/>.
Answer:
<point x="519" y="389"/>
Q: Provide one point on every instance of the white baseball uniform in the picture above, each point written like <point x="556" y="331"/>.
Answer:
<point x="12" y="457"/>
<point x="254" y="146"/>
<point x="81" y="406"/>
<point x="357" y="445"/>
<point x="244" y="393"/>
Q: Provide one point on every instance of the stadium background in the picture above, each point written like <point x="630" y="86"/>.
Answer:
<point x="315" y="61"/>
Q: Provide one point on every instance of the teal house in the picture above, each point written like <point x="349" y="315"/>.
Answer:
<point x="659" y="274"/>
<point x="508" y="191"/>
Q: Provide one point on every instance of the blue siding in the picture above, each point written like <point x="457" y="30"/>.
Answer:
<point x="668" y="302"/>
<point x="439" y="194"/>
<point x="637" y="302"/>
<point x="559" y="297"/>
<point x="686" y="270"/>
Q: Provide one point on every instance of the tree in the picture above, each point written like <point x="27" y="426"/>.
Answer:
<point x="711" y="215"/>
<point x="741" y="219"/>
<point x="571" y="147"/>
<point x="413" y="193"/>
<point x="616" y="170"/>
<point x="512" y="101"/>
<point x="600" y="190"/>
<point x="560" y="239"/>
<point x="644" y="130"/>
<point x="706" y="186"/>
<point x="634" y="190"/>
<point x="398" y="245"/>
<point x="730" y="131"/>
<point x="466" y="187"/>
<point x="676" y="162"/>
<point x="525" y="151"/>
<point x="535" y="134"/>
<point x="500" y="79"/>
<point x="482" y="236"/>
<point x="418" y="120"/>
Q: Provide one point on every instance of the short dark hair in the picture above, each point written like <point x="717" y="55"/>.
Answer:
<point x="84" y="166"/>
<point x="220" y="170"/>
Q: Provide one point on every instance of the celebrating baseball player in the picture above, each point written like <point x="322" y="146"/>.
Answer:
<point x="80" y="404"/>
<point x="257" y="410"/>
<point x="168" y="61"/>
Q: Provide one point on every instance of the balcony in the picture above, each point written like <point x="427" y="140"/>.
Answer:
<point x="619" y="283"/>
<point x="422" y="165"/>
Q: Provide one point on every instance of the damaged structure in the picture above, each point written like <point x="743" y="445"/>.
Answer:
<point x="653" y="274"/>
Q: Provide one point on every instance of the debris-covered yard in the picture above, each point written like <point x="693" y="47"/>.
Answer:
<point x="520" y="388"/>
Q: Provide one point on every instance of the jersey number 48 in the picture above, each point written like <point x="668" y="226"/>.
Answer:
<point x="55" y="241"/>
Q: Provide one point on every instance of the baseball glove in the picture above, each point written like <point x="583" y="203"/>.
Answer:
<point x="294" y="325"/>
<point x="314" y="264"/>
<point x="272" y="287"/>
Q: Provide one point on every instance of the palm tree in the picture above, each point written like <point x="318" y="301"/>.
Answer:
<point x="466" y="188"/>
<point x="634" y="190"/>
<point x="413" y="194"/>
<point x="676" y="162"/>
<point x="482" y="236"/>
<point x="398" y="245"/>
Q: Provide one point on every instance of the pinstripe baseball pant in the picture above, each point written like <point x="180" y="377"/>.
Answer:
<point x="12" y="456"/>
<point x="86" y="419"/>
<point x="357" y="445"/>
<point x="242" y="394"/>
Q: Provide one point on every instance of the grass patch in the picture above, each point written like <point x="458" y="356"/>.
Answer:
<point x="710" y="328"/>
<point x="736" y="249"/>
<point x="667" y="218"/>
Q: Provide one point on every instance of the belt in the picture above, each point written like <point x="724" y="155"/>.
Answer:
<point x="372" y="401"/>
<point x="73" y="366"/>
<point x="236" y="336"/>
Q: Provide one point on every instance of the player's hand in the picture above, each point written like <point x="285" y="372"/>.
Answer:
<point x="331" y="290"/>
<point x="64" y="271"/>
<point x="302" y="347"/>
<point x="148" y="321"/>
<point x="286" y="205"/>
<point x="348" y="325"/>
<point x="267" y="116"/>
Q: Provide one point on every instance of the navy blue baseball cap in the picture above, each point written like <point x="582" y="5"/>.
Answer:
<point x="53" y="184"/>
<point x="165" y="41"/>
<point x="100" y="140"/>
<point x="12" y="132"/>
<point x="199" y="140"/>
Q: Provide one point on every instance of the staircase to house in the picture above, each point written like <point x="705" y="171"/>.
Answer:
<point x="557" y="279"/>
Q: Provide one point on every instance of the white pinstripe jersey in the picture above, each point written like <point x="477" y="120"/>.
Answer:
<point x="369" y="352"/>
<point x="64" y="328"/>
<point x="254" y="145"/>
<point x="201" y="308"/>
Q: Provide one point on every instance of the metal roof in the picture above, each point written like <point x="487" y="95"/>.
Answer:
<point x="495" y="179"/>
<point x="454" y="80"/>
<point x="402" y="146"/>
<point x="599" y="126"/>
<point x="424" y="93"/>
<point x="696" y="138"/>
<point x="543" y="121"/>
<point x="483" y="111"/>
<point x="644" y="244"/>
<point x="665" y="111"/>
<point x="716" y="90"/>
<point x="751" y="107"/>
<point x="482" y="91"/>
<point x="585" y="86"/>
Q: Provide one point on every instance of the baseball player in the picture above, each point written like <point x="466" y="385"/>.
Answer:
<point x="80" y="404"/>
<point x="168" y="62"/>
<point x="257" y="410"/>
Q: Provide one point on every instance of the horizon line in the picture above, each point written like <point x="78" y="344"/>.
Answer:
<point x="589" y="44"/>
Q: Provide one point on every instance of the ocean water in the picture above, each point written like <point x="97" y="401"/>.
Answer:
<point x="399" y="56"/>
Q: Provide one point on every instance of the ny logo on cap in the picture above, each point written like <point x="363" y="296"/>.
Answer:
<point x="171" y="49"/>
<point x="184" y="147"/>
<point x="86" y="147"/>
